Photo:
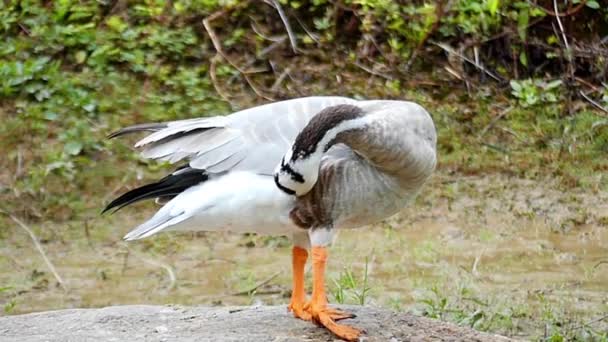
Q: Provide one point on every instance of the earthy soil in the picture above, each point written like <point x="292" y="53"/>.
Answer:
<point x="255" y="323"/>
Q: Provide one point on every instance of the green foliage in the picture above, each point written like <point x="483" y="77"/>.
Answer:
<point x="535" y="92"/>
<point x="466" y="307"/>
<point x="349" y="287"/>
<point x="71" y="72"/>
<point x="9" y="305"/>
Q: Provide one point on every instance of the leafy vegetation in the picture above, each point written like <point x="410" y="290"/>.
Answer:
<point x="73" y="71"/>
<point x="348" y="287"/>
<point x="513" y="87"/>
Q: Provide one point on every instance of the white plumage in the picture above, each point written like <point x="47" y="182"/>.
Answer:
<point x="239" y="202"/>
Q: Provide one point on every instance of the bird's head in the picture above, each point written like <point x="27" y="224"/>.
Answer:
<point x="298" y="171"/>
<point x="296" y="176"/>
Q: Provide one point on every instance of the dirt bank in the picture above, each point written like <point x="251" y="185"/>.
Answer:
<point x="262" y="323"/>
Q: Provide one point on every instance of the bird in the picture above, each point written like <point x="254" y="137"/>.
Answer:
<point x="302" y="168"/>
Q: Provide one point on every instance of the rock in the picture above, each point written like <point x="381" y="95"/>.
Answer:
<point x="261" y="323"/>
<point x="161" y="329"/>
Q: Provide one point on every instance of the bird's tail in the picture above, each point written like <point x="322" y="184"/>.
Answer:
<point x="166" y="188"/>
<point x="161" y="220"/>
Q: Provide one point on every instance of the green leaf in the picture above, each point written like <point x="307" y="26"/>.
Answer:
<point x="493" y="6"/>
<point x="72" y="147"/>
<point x="515" y="85"/>
<point x="593" y="4"/>
<point x="51" y="116"/>
<point x="81" y="56"/>
<point x="553" y="84"/>
<point x="523" y="58"/>
<point x="522" y="24"/>
<point x="116" y="23"/>
<point x="89" y="107"/>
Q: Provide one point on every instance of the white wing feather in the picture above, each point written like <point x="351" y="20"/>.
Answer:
<point x="253" y="139"/>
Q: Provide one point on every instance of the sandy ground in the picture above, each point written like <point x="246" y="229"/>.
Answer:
<point x="261" y="323"/>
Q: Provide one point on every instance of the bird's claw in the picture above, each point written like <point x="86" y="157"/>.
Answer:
<point x="327" y="317"/>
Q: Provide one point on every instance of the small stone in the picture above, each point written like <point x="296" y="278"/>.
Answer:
<point x="161" y="329"/>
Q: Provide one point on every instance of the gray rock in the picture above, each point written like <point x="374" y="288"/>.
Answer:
<point x="262" y="323"/>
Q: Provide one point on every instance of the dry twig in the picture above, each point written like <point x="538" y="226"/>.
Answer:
<point x="292" y="37"/>
<point x="220" y="52"/>
<point x="373" y="72"/>
<point x="450" y="50"/>
<point x="561" y="28"/>
<point x="494" y="121"/>
<point x="257" y="286"/>
<point x="594" y="103"/>
<point x="48" y="262"/>
<point x="601" y="318"/>
<point x="556" y="13"/>
<point x="214" y="81"/>
<point x="167" y="268"/>
<point x="280" y="79"/>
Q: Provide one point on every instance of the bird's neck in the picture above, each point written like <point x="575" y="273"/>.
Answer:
<point x="299" y="168"/>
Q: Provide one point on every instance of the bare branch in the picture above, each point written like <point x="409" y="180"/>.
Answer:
<point x="561" y="28"/>
<point x="220" y="51"/>
<point x="450" y="50"/>
<point x="556" y="13"/>
<point x="595" y="104"/>
<point x="292" y="37"/>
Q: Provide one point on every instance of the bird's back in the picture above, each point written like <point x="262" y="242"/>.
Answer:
<point x="376" y="172"/>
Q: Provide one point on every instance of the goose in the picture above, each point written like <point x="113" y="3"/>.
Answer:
<point x="303" y="168"/>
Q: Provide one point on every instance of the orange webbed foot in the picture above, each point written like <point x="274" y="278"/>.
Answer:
<point x="298" y="311"/>
<point x="327" y="317"/>
<point x="334" y="314"/>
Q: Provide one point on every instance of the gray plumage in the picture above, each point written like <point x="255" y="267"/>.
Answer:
<point x="364" y="161"/>
<point x="256" y="137"/>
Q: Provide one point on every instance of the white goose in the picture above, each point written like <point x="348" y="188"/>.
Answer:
<point x="302" y="168"/>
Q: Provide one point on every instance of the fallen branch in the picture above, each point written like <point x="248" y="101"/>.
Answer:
<point x="48" y="262"/>
<point x="590" y="100"/>
<point x="255" y="287"/>
<point x="600" y="263"/>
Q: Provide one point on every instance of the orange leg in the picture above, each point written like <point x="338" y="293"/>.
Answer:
<point x="318" y="308"/>
<point x="298" y="295"/>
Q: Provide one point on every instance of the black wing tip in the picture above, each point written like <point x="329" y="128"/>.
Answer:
<point x="148" y="127"/>
<point x="117" y="204"/>
<point x="169" y="187"/>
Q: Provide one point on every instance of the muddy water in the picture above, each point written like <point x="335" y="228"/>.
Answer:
<point x="524" y="246"/>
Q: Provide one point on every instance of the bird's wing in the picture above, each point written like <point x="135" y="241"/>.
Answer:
<point x="253" y="139"/>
